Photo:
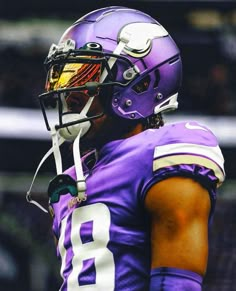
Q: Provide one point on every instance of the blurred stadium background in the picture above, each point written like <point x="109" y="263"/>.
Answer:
<point x="206" y="34"/>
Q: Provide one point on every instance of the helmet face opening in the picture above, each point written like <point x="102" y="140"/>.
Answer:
<point x="77" y="75"/>
<point x="72" y="71"/>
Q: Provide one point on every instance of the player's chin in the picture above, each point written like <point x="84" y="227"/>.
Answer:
<point x="95" y="137"/>
<point x="91" y="137"/>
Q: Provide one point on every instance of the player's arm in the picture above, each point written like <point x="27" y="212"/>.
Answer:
<point x="179" y="208"/>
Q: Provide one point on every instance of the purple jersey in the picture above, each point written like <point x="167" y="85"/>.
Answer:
<point x="104" y="242"/>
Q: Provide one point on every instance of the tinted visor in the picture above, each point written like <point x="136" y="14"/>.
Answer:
<point x="72" y="75"/>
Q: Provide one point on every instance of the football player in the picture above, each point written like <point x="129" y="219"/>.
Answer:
<point x="134" y="212"/>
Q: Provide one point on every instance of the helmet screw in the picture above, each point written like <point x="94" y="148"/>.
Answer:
<point x="132" y="115"/>
<point x="159" y="96"/>
<point x="128" y="102"/>
<point x="129" y="74"/>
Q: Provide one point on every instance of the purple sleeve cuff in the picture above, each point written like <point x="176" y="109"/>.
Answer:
<point x="201" y="174"/>
<point x="170" y="279"/>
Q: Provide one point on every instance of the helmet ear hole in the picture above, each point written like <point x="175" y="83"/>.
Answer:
<point x="142" y="85"/>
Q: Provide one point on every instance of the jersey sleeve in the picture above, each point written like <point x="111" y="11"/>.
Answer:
<point x="190" y="150"/>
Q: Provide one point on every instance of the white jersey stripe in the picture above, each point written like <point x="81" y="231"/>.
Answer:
<point x="212" y="153"/>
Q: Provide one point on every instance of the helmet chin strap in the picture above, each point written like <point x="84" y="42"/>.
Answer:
<point x="58" y="139"/>
<point x="56" y="142"/>
<point x="81" y="185"/>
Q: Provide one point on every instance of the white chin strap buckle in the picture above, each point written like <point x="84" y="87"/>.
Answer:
<point x="72" y="131"/>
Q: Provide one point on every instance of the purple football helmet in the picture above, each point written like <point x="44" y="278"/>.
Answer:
<point x="120" y="55"/>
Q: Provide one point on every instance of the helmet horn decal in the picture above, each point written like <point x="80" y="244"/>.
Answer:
<point x="141" y="36"/>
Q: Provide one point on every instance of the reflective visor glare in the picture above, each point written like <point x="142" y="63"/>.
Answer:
<point x="72" y="75"/>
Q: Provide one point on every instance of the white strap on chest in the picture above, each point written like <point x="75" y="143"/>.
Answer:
<point x="81" y="185"/>
<point x="55" y="149"/>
